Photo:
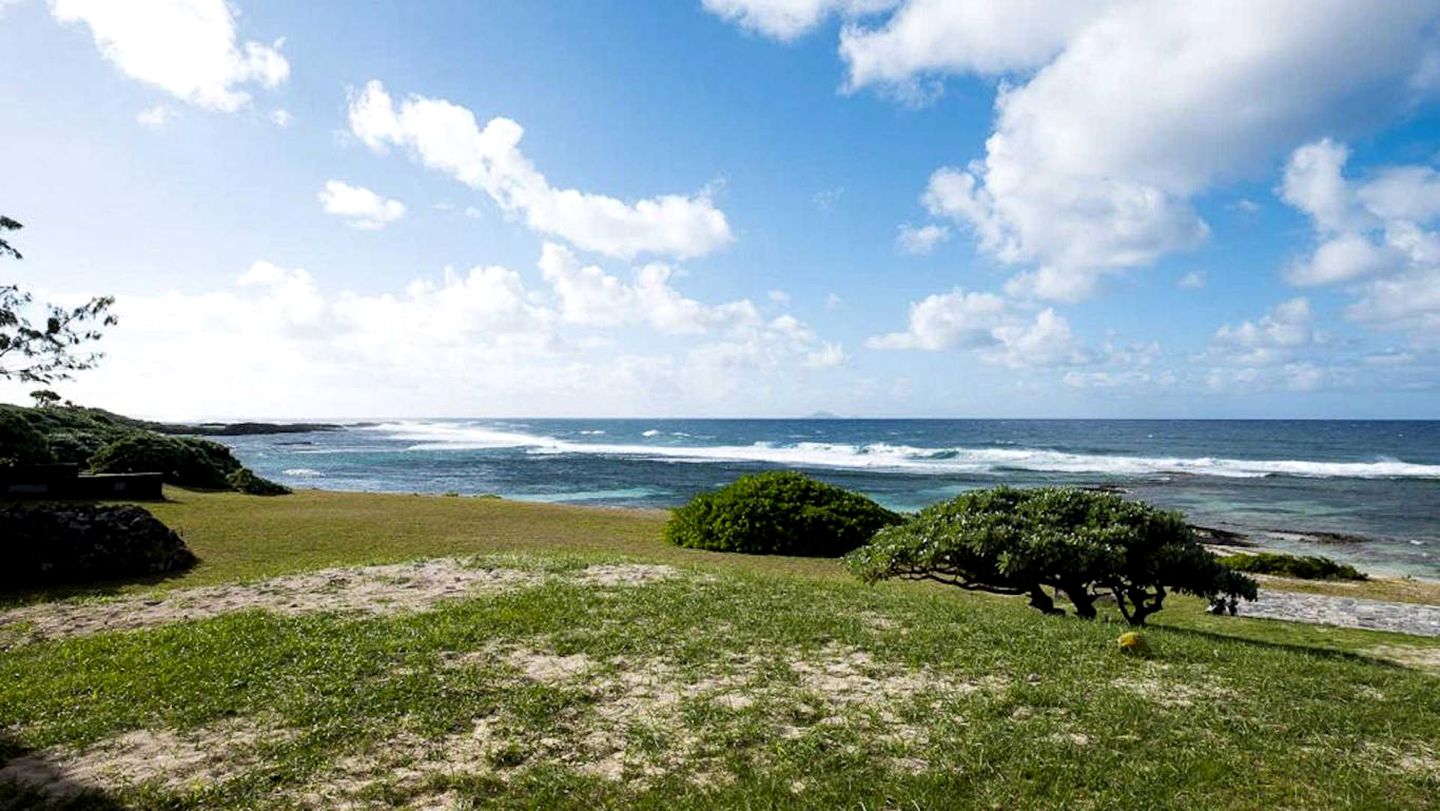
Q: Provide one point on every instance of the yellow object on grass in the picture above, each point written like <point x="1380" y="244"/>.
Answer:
<point x="1133" y="642"/>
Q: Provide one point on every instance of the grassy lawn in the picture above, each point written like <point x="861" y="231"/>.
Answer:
<point x="587" y="676"/>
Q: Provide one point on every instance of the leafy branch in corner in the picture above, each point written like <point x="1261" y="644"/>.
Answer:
<point x="51" y="348"/>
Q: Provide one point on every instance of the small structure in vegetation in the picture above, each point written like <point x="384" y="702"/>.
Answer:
<point x="1082" y="544"/>
<point x="108" y="443"/>
<point x="778" y="513"/>
<point x="67" y="482"/>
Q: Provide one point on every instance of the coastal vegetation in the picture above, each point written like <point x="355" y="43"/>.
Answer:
<point x="778" y="513"/>
<point x="1079" y="543"/>
<point x="593" y="665"/>
<point x="1303" y="567"/>
<point x="109" y="443"/>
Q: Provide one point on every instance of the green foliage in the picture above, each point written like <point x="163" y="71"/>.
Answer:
<point x="185" y="461"/>
<point x="50" y="348"/>
<point x="7" y="224"/>
<point x="44" y="398"/>
<point x="1306" y="567"/>
<point x="21" y="443"/>
<point x="74" y="434"/>
<point x="245" y="481"/>
<point x="778" y="513"/>
<point x="111" y="443"/>
<point x="1080" y="543"/>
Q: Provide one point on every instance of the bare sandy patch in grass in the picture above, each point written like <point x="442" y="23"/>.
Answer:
<point x="837" y="687"/>
<point x="851" y="676"/>
<point x="1071" y="737"/>
<point x="1409" y="656"/>
<point x="1172" y="693"/>
<point x="548" y="667"/>
<point x="643" y="718"/>
<point x="626" y="574"/>
<point x="1411" y="758"/>
<point x="387" y="589"/>
<point x="405" y="763"/>
<point x="881" y="623"/>
<point x="184" y="759"/>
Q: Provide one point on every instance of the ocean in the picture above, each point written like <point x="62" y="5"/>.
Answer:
<point x="1364" y="492"/>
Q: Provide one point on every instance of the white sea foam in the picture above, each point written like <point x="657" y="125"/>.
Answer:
<point x="302" y="472"/>
<point x="430" y="436"/>
<point x="885" y="456"/>
<point x="651" y="432"/>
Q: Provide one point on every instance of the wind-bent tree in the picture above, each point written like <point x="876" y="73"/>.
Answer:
<point x="51" y="349"/>
<point x="44" y="398"/>
<point x="1082" y="544"/>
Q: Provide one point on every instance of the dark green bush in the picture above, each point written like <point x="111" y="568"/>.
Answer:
<point x="1078" y="543"/>
<point x="21" y="443"/>
<point x="1306" y="567"/>
<point x="778" y="513"/>
<point x="245" y="481"/>
<point x="71" y="543"/>
<point x="185" y="461"/>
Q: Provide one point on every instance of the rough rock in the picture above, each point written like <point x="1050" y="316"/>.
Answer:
<point x="72" y="543"/>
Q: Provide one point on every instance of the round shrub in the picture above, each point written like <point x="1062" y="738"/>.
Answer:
<point x="21" y="443"/>
<point x="187" y="462"/>
<point x="245" y="481"/>
<point x="778" y="513"/>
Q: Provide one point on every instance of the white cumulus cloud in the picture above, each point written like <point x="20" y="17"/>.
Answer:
<point x="155" y="118"/>
<point x="186" y="47"/>
<point x="448" y="138"/>
<point x="1095" y="160"/>
<point x="961" y="36"/>
<point x="921" y="240"/>
<point x="361" y="207"/>
<point x="1113" y="116"/>
<point x="787" y="19"/>
<point x="1376" y="236"/>
<point x="987" y="323"/>
<point x="1271" y="339"/>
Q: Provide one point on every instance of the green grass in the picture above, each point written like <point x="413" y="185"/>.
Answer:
<point x="746" y="682"/>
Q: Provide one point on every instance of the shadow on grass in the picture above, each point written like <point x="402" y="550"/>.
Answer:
<point x="1313" y="650"/>
<point x="45" y="785"/>
<point x="15" y="596"/>
<point x="1246" y="636"/>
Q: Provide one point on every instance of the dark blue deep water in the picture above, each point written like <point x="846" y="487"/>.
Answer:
<point x="1376" y="485"/>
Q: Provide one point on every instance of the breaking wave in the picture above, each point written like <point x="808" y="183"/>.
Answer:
<point x="902" y="458"/>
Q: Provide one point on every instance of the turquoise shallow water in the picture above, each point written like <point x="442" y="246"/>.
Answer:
<point x="1365" y="492"/>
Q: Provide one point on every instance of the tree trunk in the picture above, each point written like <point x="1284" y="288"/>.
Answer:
<point x="1084" y="602"/>
<point x="1040" y="600"/>
<point x="1146" y="604"/>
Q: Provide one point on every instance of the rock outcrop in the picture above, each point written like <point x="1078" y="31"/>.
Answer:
<point x="48" y="544"/>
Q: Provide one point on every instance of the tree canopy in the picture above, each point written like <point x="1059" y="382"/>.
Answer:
<point x="51" y="347"/>
<point x="1082" y="544"/>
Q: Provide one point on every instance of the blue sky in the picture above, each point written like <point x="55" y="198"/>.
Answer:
<point x="735" y="207"/>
